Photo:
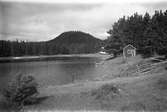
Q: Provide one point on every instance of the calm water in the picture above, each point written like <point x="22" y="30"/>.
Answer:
<point x="53" y="72"/>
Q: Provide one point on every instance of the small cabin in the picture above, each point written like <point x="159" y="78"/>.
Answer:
<point x="129" y="51"/>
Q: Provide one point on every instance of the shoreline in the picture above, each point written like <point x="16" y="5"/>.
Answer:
<point x="99" y="94"/>
<point x="49" y="57"/>
<point x="119" y="88"/>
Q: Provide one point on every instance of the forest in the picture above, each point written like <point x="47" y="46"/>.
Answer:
<point x="71" y="42"/>
<point x="148" y="33"/>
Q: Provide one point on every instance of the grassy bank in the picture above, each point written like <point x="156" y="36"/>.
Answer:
<point x="120" y="88"/>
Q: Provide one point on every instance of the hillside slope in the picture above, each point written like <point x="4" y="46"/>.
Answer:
<point x="135" y="91"/>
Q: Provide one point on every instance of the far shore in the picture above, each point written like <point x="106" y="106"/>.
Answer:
<point x="49" y="57"/>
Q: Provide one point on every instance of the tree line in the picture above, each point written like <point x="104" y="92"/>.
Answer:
<point x="147" y="33"/>
<point x="21" y="48"/>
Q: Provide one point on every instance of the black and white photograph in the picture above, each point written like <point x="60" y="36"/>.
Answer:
<point x="83" y="55"/>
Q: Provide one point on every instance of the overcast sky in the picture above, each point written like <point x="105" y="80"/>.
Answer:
<point x="40" y="20"/>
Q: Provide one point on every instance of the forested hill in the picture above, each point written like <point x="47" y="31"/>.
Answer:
<point x="72" y="42"/>
<point x="75" y="42"/>
<point x="75" y="37"/>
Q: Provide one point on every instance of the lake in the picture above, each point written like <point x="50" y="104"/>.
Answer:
<point x="58" y="71"/>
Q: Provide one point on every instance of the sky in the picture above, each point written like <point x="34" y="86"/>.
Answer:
<point x="42" y="20"/>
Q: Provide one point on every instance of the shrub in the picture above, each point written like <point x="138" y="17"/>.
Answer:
<point x="161" y="83"/>
<point x="105" y="90"/>
<point x="19" y="90"/>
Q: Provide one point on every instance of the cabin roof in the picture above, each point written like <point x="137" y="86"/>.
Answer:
<point x="129" y="45"/>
